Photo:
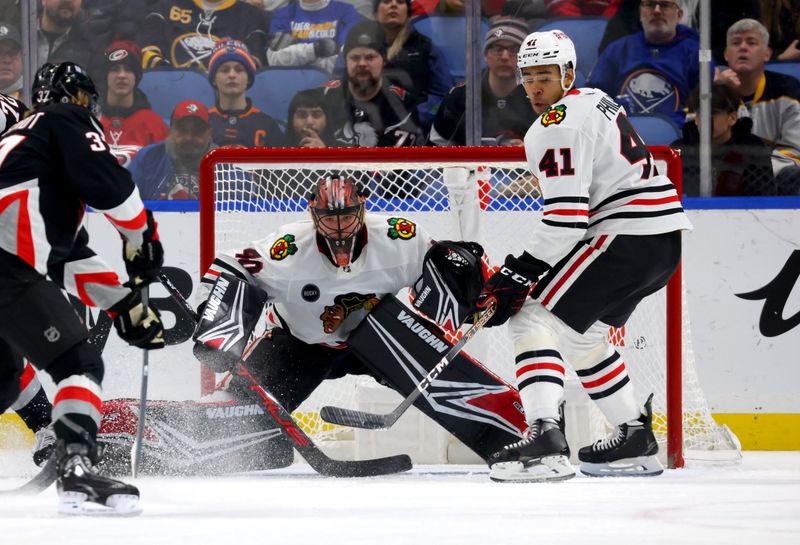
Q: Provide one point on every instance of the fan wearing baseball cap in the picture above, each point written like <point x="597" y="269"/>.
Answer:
<point x="10" y="60"/>
<point x="129" y="122"/>
<point x="170" y="170"/>
<point x="235" y="121"/>
<point x="505" y="110"/>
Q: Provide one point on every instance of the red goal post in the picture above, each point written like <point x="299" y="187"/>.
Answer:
<point x="246" y="193"/>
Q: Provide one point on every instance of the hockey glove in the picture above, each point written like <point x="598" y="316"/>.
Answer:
<point x="510" y="286"/>
<point x="134" y="326"/>
<point x="144" y="262"/>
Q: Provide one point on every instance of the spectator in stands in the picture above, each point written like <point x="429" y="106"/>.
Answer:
<point x="308" y="121"/>
<point x="129" y="122"/>
<point x="10" y="60"/>
<point x="771" y="99"/>
<point x="170" y="170"/>
<point x="723" y="14"/>
<point x="506" y="112"/>
<point x="111" y="20"/>
<point x="740" y="160"/>
<point x="183" y="33"/>
<point x="654" y="70"/>
<point x="412" y="60"/>
<point x="310" y="33"/>
<point x="782" y="19"/>
<point x="366" y="109"/>
<point x="582" y="8"/>
<point x="235" y="122"/>
<point x="62" y="34"/>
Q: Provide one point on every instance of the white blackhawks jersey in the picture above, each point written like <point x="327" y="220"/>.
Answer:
<point x="317" y="301"/>
<point x="596" y="176"/>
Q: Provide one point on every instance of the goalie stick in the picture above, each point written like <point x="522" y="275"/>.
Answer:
<point x="317" y="459"/>
<point x="372" y="421"/>
<point x="138" y="443"/>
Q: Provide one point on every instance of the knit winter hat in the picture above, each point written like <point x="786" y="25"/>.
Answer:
<point x="124" y="52"/>
<point x="226" y="50"/>
<point x="505" y="28"/>
<point x="366" y="34"/>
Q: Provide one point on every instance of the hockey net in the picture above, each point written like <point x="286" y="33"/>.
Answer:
<point x="481" y="194"/>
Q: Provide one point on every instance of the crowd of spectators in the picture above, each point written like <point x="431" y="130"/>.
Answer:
<point x="389" y="85"/>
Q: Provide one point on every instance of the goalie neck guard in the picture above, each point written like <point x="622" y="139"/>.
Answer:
<point x="337" y="207"/>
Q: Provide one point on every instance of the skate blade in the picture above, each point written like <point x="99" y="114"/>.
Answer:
<point x="549" y="468"/>
<point x="117" y="505"/>
<point x="641" y="466"/>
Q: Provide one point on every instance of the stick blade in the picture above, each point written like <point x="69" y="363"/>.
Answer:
<point x="358" y="468"/>
<point x="355" y="419"/>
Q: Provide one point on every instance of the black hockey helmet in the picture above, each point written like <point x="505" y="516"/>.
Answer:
<point x="62" y="83"/>
<point x="337" y="206"/>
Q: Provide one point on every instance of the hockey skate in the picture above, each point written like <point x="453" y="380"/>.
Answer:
<point x="629" y="451"/>
<point x="44" y="443"/>
<point x="541" y="456"/>
<point x="79" y="484"/>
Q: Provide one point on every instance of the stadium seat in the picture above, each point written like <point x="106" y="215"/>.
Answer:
<point x="788" y="68"/>
<point x="449" y="34"/>
<point x="585" y="32"/>
<point x="167" y="87"/>
<point x="275" y="87"/>
<point x="655" y="129"/>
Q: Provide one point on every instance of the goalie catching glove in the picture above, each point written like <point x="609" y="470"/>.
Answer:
<point x="134" y="326"/>
<point x="510" y="286"/>
<point x="144" y="262"/>
<point x="226" y="321"/>
<point x="452" y="279"/>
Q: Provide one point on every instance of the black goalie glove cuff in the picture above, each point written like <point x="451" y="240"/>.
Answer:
<point x="229" y="316"/>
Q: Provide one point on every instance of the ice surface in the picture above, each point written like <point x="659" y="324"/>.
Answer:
<point x="755" y="502"/>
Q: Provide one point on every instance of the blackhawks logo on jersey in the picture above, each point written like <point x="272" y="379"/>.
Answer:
<point x="283" y="247"/>
<point x="401" y="228"/>
<point x="343" y="306"/>
<point x="554" y="115"/>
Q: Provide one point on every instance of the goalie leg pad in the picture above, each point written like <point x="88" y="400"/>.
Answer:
<point x="229" y="316"/>
<point x="467" y="400"/>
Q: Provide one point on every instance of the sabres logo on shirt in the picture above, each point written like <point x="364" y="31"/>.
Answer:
<point x="554" y="115"/>
<point x="401" y="228"/>
<point x="283" y="247"/>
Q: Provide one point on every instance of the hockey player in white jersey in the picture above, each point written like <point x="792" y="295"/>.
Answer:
<point x="322" y="278"/>
<point x="610" y="235"/>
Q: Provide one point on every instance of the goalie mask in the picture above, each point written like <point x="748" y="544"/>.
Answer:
<point x="337" y="207"/>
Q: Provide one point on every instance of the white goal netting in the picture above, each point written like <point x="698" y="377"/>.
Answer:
<point x="472" y="196"/>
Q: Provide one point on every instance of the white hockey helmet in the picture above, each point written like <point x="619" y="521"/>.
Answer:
<point x="549" y="47"/>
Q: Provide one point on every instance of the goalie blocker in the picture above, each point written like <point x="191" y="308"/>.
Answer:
<point x="469" y="401"/>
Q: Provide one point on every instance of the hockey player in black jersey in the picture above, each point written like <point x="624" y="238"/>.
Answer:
<point x="54" y="163"/>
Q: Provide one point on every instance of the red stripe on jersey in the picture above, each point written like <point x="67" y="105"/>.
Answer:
<point x="103" y="278"/>
<point x="540" y="367"/>
<point x="25" y="249"/>
<point x="662" y="200"/>
<point x="76" y="393"/>
<point x="139" y="222"/>
<point x="586" y="253"/>
<point x="602" y="380"/>
<point x="28" y="374"/>
<point x="568" y="212"/>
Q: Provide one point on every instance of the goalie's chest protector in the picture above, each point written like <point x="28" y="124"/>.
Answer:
<point x="322" y="303"/>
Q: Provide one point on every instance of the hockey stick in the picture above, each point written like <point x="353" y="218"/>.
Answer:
<point x="317" y="459"/>
<point x="136" y="451"/>
<point x="39" y="482"/>
<point x="372" y="421"/>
